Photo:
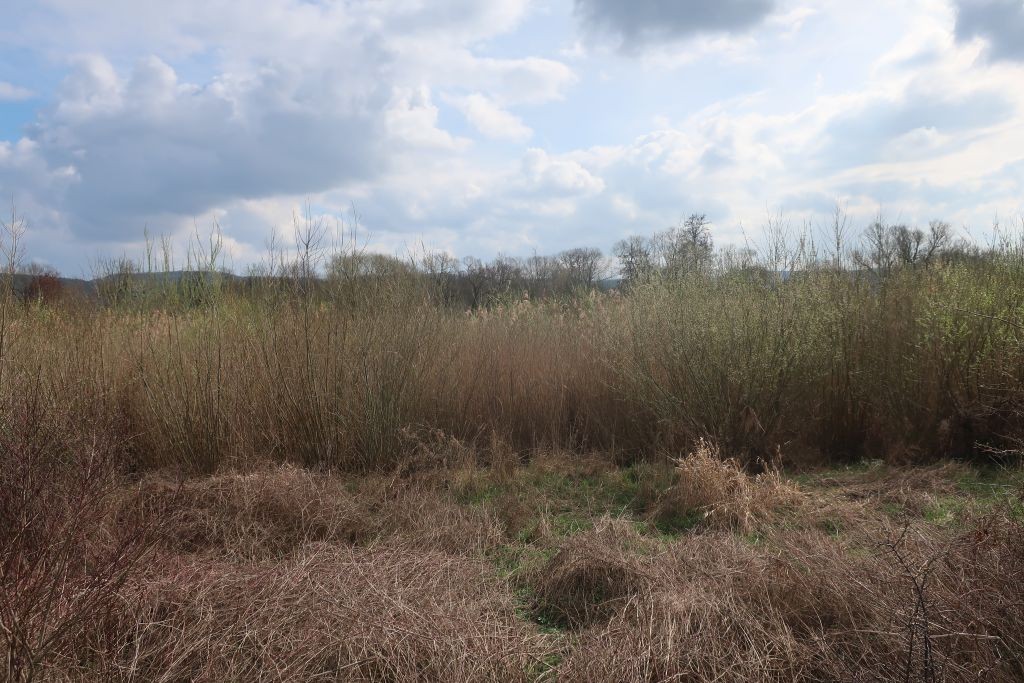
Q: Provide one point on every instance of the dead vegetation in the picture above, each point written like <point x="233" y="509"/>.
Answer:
<point x="253" y="515"/>
<point x="721" y="494"/>
<point x="476" y="564"/>
<point x="271" y="512"/>
<point x="287" y="486"/>
<point x="801" y="606"/>
<point x="322" y="613"/>
<point x="593" y="575"/>
<point x="282" y="573"/>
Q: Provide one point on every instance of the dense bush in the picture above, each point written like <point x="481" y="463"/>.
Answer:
<point x="917" y="365"/>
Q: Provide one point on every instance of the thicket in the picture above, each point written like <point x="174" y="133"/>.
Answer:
<point x="117" y="561"/>
<point x="906" y="353"/>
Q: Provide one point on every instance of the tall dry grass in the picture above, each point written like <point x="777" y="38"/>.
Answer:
<point x="919" y="365"/>
<point x="61" y="566"/>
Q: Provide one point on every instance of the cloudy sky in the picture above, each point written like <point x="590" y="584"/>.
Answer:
<point x="486" y="126"/>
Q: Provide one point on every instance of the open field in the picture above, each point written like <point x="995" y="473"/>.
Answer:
<point x="490" y="341"/>
<point x="723" y="476"/>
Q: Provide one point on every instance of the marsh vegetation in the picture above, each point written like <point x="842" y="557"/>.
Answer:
<point x="794" y="462"/>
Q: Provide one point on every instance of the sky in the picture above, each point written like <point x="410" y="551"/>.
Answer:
<point x="502" y="126"/>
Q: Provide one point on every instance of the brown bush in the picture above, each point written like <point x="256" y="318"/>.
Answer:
<point x="45" y="288"/>
<point x="426" y="520"/>
<point x="722" y="493"/>
<point x="60" y="566"/>
<point x="843" y="367"/>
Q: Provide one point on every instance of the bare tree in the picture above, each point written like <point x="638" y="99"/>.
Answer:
<point x="940" y="238"/>
<point x="43" y="285"/>
<point x="732" y="258"/>
<point x="686" y="248"/>
<point x="11" y="249"/>
<point x="504" y="272"/>
<point x="583" y="266"/>
<point x="442" y="269"/>
<point x="887" y="247"/>
<point x="475" y="275"/>
<point x="879" y="252"/>
<point x="439" y="264"/>
<point x="310" y="234"/>
<point x="907" y="244"/>
<point x="838" y="234"/>
<point x="636" y="259"/>
<point x="542" y="274"/>
<point x="366" y="265"/>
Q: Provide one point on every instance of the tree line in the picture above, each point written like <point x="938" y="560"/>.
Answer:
<point x="319" y="261"/>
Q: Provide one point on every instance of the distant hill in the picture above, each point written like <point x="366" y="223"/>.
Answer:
<point x="91" y="288"/>
<point x="74" y="285"/>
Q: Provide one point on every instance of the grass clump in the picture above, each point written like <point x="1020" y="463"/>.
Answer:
<point x="591" y="575"/>
<point x="717" y="493"/>
<point x="254" y="515"/>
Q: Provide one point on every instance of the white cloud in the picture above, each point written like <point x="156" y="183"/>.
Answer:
<point x="14" y="93"/>
<point x="301" y="98"/>
<point x="145" y="145"/>
<point x="558" y="174"/>
<point x="170" y="112"/>
<point x="490" y="119"/>
<point x="411" y="117"/>
<point x="509" y="81"/>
